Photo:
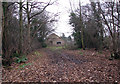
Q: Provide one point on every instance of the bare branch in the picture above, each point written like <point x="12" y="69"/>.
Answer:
<point x="42" y="10"/>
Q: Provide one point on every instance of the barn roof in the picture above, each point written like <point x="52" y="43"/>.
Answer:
<point x="53" y="34"/>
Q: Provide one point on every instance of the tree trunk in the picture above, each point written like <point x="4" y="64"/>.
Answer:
<point x="82" y="39"/>
<point x="28" y="27"/>
<point x="1" y="12"/>
<point x="21" y="29"/>
<point x="5" y="42"/>
<point x="82" y="29"/>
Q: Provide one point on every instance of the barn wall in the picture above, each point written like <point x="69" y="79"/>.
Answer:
<point x="54" y="38"/>
<point x="58" y="40"/>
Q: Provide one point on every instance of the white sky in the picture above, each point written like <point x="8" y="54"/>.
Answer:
<point x="63" y="6"/>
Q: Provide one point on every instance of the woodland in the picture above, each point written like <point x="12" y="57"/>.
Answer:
<point x="94" y="56"/>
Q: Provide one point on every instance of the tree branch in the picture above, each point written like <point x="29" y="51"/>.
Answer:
<point x="41" y="11"/>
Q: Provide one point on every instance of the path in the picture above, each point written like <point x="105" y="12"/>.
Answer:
<point x="65" y="66"/>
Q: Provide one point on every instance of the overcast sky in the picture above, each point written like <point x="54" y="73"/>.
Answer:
<point x="63" y="6"/>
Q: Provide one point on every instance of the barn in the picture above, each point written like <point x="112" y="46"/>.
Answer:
<point x="54" y="40"/>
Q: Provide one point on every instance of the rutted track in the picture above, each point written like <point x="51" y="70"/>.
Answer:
<point x="59" y="56"/>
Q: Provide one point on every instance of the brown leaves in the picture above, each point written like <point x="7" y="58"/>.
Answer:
<point x="65" y="66"/>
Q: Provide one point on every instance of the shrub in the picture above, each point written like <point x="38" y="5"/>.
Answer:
<point x="71" y="47"/>
<point x="21" y="59"/>
<point x="44" y="45"/>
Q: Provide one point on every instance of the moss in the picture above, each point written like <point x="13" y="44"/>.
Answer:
<point x="37" y="54"/>
<point x="81" y="53"/>
<point x="56" y="47"/>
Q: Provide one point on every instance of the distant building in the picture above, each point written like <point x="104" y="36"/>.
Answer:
<point x="55" y="40"/>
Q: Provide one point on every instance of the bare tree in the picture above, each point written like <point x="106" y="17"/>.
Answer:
<point x="17" y="24"/>
<point x="111" y="20"/>
<point x="30" y="15"/>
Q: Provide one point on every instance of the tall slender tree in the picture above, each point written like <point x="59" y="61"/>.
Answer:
<point x="97" y="21"/>
<point x="28" y="24"/>
<point x="21" y="27"/>
<point x="6" y="55"/>
<point x="82" y="27"/>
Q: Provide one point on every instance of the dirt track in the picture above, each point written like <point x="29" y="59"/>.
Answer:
<point x="65" y="66"/>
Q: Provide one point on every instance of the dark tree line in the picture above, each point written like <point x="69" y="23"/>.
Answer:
<point x="25" y="26"/>
<point x="97" y="26"/>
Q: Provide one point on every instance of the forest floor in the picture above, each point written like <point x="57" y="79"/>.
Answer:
<point x="61" y="65"/>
